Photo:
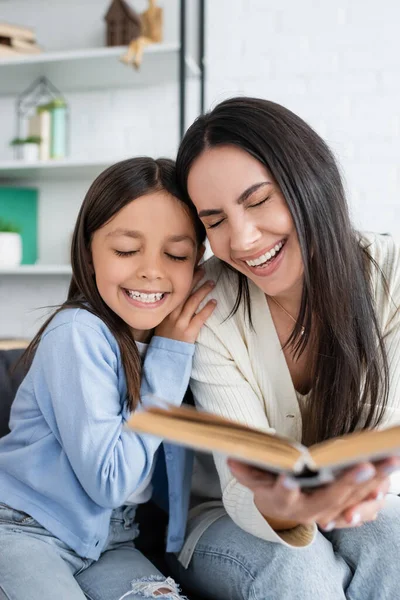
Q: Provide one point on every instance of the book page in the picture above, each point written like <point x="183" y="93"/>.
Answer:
<point x="211" y="433"/>
<point x="356" y="447"/>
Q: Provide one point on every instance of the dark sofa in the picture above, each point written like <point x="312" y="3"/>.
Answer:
<point x="152" y="521"/>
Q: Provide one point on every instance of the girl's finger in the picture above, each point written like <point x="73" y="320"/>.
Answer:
<point x="192" y="303"/>
<point x="197" y="277"/>
<point x="200" y="318"/>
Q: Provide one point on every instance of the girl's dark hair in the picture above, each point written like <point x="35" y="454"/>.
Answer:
<point x="113" y="189"/>
<point x="350" y="370"/>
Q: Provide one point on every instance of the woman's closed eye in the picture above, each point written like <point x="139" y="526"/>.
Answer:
<point x="212" y="225"/>
<point x="259" y="203"/>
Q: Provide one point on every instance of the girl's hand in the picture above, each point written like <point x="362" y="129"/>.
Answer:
<point x="184" y="324"/>
<point x="282" y="502"/>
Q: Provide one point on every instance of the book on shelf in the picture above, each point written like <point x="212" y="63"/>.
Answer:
<point x="313" y="466"/>
<point x="17" y="46"/>
<point x="6" y="50"/>
<point x="39" y="125"/>
<point x="25" y="47"/>
<point x="16" y="31"/>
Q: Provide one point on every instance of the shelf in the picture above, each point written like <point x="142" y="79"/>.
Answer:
<point x="37" y="270"/>
<point x="93" y="68"/>
<point x="52" y="170"/>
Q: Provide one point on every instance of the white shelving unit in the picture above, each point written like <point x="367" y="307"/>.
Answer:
<point x="12" y="171"/>
<point x="94" y="68"/>
<point x="79" y="70"/>
<point x="37" y="270"/>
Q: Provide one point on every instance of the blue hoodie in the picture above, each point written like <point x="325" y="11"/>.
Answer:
<point x="68" y="460"/>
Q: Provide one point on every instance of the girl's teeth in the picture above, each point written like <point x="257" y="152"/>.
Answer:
<point x="265" y="257"/>
<point x="146" y="298"/>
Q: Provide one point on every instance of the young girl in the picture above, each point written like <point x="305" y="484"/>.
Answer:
<point x="305" y="341"/>
<point x="71" y="475"/>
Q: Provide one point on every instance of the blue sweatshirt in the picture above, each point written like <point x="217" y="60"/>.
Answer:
<point x="69" y="460"/>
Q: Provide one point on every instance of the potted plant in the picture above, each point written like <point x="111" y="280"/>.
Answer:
<point x="10" y="244"/>
<point x="30" y="147"/>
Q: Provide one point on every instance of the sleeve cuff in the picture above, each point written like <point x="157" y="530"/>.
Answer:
<point x="298" y="537"/>
<point x="162" y="343"/>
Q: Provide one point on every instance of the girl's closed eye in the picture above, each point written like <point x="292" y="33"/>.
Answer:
<point x="128" y="253"/>
<point x="174" y="257"/>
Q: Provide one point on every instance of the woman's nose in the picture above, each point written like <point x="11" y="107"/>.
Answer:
<point x="244" y="236"/>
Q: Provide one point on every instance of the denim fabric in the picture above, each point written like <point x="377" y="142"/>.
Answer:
<point x="35" y="565"/>
<point x="347" y="564"/>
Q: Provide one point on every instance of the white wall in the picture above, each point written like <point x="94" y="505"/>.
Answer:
<point x="335" y="64"/>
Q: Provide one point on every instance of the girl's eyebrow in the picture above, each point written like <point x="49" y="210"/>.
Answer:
<point x="137" y="235"/>
<point x="242" y="198"/>
<point x="128" y="232"/>
<point x="182" y="238"/>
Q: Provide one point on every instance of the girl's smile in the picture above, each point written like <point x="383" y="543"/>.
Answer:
<point x="144" y="259"/>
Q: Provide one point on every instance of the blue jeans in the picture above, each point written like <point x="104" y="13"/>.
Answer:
<point x="35" y="565"/>
<point x="354" y="564"/>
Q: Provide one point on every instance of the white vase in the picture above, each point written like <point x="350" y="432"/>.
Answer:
<point x="30" y="152"/>
<point x="10" y="249"/>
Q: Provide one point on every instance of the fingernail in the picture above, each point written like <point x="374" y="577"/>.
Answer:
<point x="365" y="474"/>
<point x="391" y="469"/>
<point x="290" y="484"/>
<point x="356" y="518"/>
<point x="331" y="525"/>
<point x="380" y="496"/>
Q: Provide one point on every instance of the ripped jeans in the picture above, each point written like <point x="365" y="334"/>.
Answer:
<point x="36" y="565"/>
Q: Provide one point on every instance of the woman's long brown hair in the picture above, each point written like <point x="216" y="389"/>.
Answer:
<point x="350" y="383"/>
<point x="113" y="189"/>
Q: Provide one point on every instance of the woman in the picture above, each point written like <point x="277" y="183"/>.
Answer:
<point x="305" y="341"/>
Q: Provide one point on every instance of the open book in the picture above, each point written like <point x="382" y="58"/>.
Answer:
<point x="312" y="466"/>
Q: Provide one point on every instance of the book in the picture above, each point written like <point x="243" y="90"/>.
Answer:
<point x="25" y="33"/>
<point x="25" y="47"/>
<point x="20" y="45"/>
<point x="6" y="50"/>
<point x="39" y="125"/>
<point x="313" y="466"/>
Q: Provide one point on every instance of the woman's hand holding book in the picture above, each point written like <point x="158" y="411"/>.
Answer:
<point x="352" y="499"/>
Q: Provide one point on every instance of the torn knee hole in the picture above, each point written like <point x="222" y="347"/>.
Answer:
<point x="154" y="587"/>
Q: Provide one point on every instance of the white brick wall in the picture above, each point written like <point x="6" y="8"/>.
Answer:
<point x="336" y="64"/>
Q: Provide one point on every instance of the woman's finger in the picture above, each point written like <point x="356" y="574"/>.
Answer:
<point x="250" y="476"/>
<point x="356" y="516"/>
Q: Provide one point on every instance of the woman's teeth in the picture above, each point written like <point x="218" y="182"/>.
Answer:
<point x="264" y="258"/>
<point x="146" y="298"/>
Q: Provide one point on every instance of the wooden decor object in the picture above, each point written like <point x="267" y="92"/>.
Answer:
<point x="123" y="24"/>
<point x="152" y="32"/>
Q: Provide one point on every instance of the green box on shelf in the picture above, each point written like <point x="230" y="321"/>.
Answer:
<point x="19" y="206"/>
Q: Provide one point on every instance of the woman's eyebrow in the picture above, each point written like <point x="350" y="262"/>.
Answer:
<point x="242" y="198"/>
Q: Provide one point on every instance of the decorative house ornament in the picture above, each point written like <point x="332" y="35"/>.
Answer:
<point x="123" y="24"/>
<point x="152" y="32"/>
